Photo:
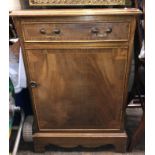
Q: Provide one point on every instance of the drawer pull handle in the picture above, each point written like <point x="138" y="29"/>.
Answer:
<point x="99" y="34"/>
<point x="94" y="30"/>
<point x="33" y="84"/>
<point x="56" y="31"/>
<point x="109" y="30"/>
<point x="42" y="31"/>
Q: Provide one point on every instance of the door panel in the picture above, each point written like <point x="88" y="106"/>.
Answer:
<point x="78" y="89"/>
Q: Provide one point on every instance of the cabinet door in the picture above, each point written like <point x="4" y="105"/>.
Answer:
<point x="78" y="89"/>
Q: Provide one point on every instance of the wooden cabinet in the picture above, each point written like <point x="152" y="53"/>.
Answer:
<point x="77" y="64"/>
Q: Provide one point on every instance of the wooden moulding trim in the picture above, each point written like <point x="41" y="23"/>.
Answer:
<point x="57" y="46"/>
<point x="75" y="45"/>
<point x="75" y="12"/>
<point x="80" y="130"/>
<point x="74" y="41"/>
<point x="112" y="135"/>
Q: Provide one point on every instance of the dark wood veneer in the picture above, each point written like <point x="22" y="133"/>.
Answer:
<point x="78" y="78"/>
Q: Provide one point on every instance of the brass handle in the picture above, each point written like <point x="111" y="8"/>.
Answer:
<point x="95" y="30"/>
<point x="42" y="31"/>
<point x="33" y="84"/>
<point x="56" y="31"/>
<point x="109" y="30"/>
<point x="100" y="34"/>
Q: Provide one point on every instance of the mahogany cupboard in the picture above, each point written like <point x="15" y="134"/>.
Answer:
<point x="77" y="63"/>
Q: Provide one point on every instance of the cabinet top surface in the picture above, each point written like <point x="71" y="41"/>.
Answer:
<point x="75" y="12"/>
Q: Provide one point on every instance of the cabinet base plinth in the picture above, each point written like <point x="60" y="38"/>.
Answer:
<point x="119" y="140"/>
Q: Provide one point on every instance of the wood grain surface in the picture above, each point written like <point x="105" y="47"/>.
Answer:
<point x="78" y="82"/>
<point x="76" y="87"/>
<point x="75" y="12"/>
<point x="37" y="31"/>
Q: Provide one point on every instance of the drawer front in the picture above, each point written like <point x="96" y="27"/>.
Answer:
<point x="108" y="31"/>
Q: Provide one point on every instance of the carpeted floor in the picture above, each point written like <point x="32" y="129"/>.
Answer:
<point x="133" y="117"/>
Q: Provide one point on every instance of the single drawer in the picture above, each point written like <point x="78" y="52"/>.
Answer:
<point x="108" y="31"/>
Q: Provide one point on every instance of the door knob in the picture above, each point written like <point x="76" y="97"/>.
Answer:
<point x="33" y="84"/>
